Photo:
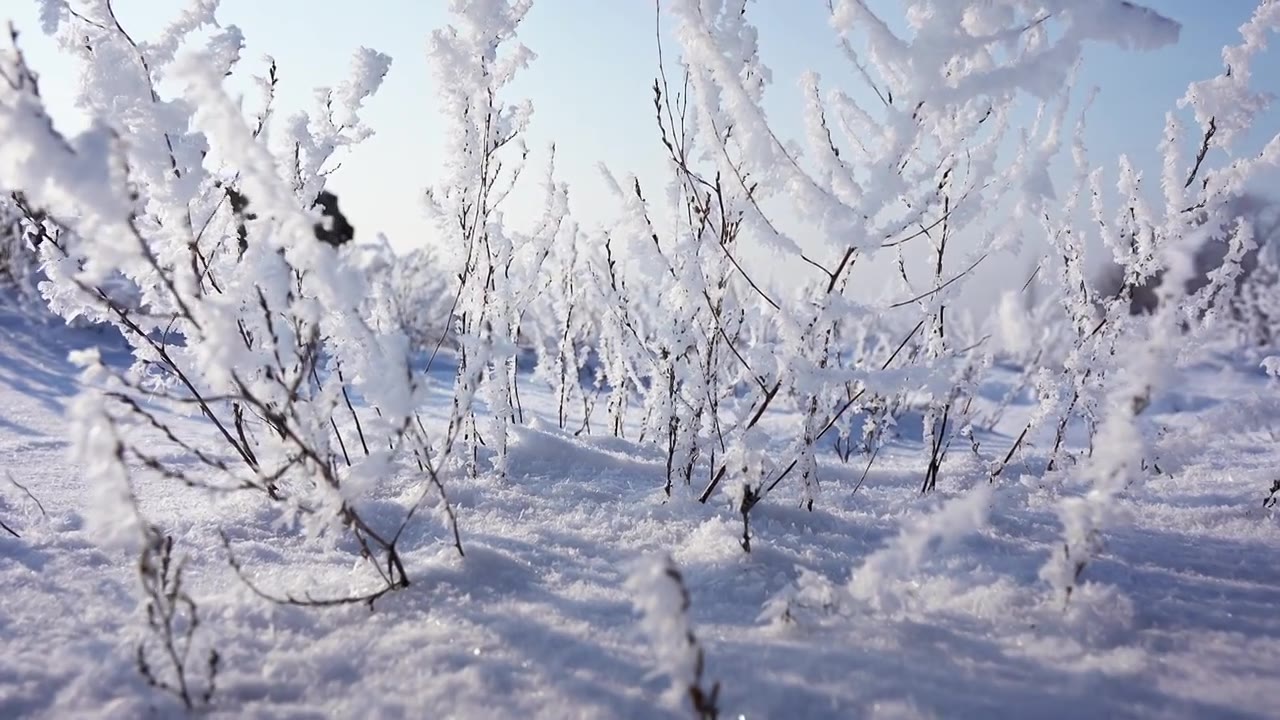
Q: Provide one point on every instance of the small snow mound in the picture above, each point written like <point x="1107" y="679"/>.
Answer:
<point x="713" y="543"/>
<point x="1099" y="616"/>
<point x="887" y="572"/>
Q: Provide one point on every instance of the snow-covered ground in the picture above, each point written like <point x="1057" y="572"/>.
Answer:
<point x="1178" y="618"/>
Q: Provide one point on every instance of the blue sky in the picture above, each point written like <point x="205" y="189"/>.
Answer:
<point x="591" y="84"/>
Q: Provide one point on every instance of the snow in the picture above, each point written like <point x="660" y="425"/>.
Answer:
<point x="240" y="486"/>
<point x="1175" y="618"/>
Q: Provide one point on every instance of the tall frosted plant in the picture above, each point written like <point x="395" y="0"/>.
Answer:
<point x="475" y="58"/>
<point x="679" y="295"/>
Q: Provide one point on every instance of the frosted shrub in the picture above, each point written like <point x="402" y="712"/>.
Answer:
<point x="682" y="305"/>
<point x="563" y="330"/>
<point x="173" y="618"/>
<point x="420" y="296"/>
<point x="1254" y="306"/>
<point x="1131" y="357"/>
<point x="925" y="177"/>
<point x="242" y="313"/>
<point x="1256" y="309"/>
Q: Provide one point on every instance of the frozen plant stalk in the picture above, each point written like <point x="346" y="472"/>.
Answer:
<point x="663" y="601"/>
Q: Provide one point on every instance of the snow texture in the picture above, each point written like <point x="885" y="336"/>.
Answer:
<point x="620" y="472"/>
<point x="1176" y="618"/>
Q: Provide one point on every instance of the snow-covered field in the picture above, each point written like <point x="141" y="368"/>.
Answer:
<point x="1177" y="618"/>
<point x="908" y="404"/>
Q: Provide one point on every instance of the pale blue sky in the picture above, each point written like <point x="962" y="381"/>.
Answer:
<point x="591" y="84"/>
